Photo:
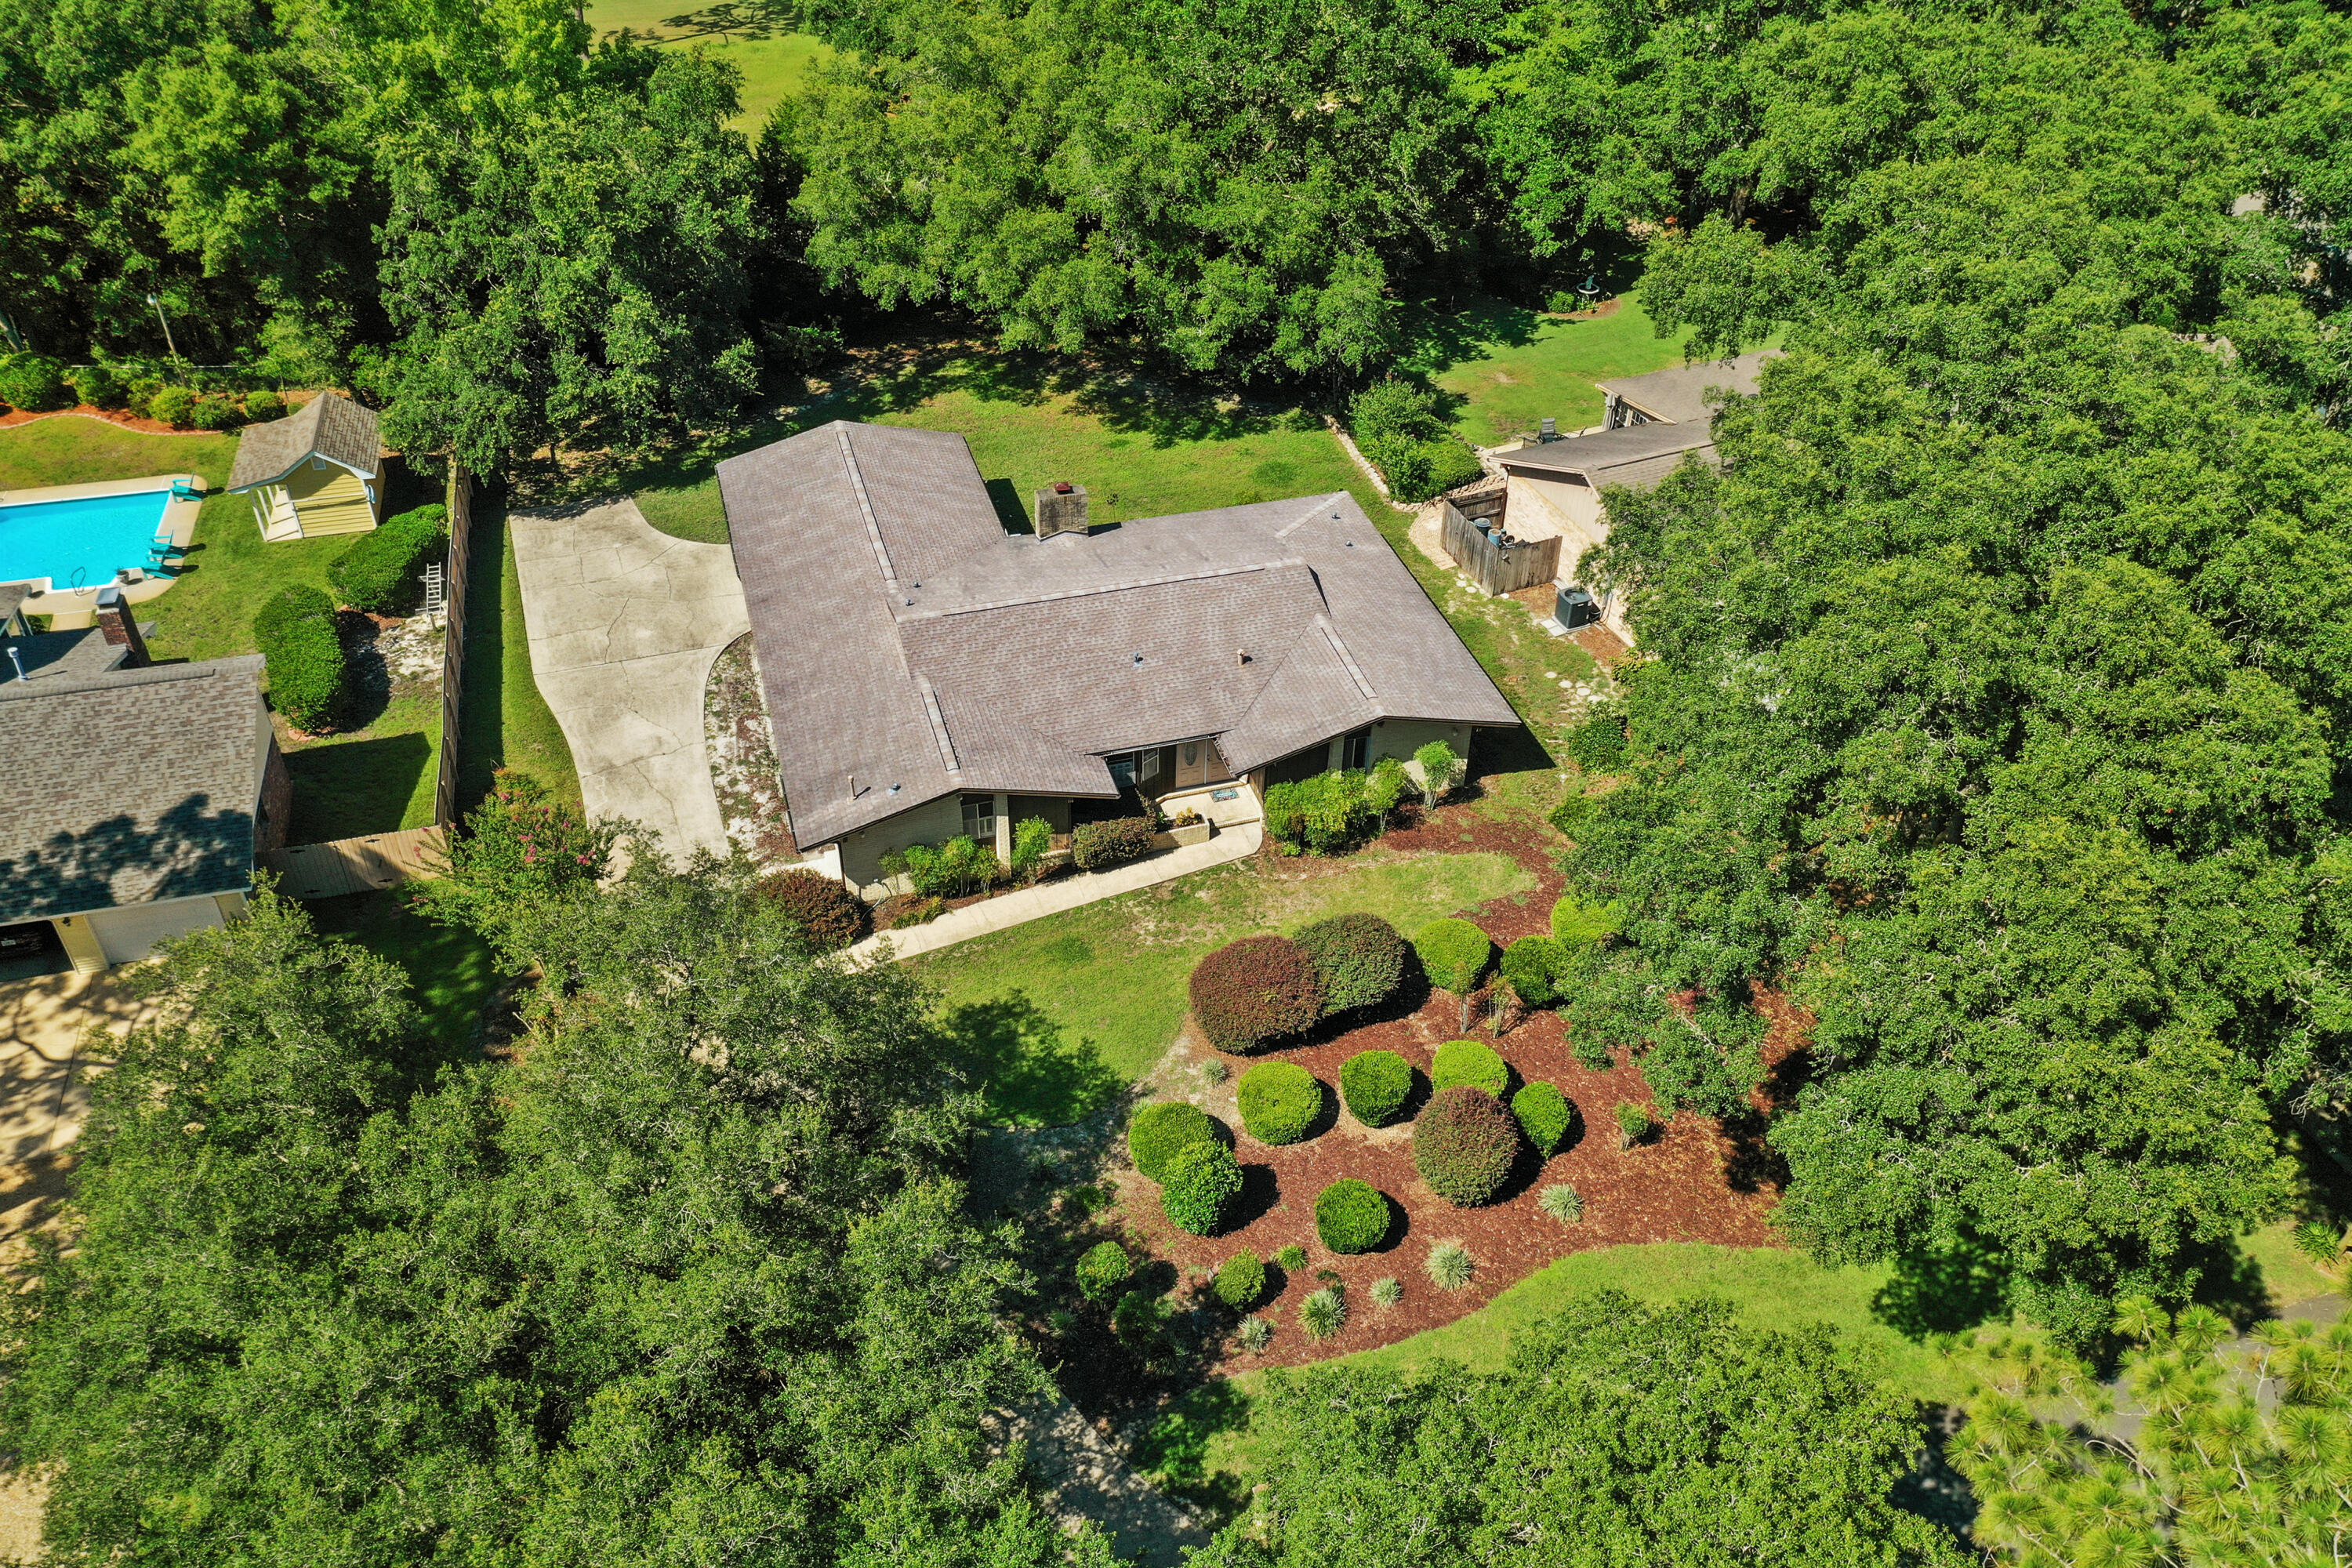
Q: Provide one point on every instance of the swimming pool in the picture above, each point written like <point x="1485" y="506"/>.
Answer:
<point x="79" y="542"/>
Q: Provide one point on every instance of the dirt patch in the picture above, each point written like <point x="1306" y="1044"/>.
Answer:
<point x="742" y="746"/>
<point x="1691" y="1183"/>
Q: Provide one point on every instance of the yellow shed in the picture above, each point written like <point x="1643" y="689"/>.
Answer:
<point x="315" y="472"/>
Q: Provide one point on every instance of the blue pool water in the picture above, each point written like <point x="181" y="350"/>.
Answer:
<point x="80" y="544"/>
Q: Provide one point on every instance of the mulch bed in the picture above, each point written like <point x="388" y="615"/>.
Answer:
<point x="1691" y="1183"/>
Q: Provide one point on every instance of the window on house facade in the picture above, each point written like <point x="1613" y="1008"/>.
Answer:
<point x="1354" y="745"/>
<point x="980" y="817"/>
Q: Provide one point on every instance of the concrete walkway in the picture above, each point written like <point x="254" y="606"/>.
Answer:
<point x="1071" y="892"/>
<point x="624" y="624"/>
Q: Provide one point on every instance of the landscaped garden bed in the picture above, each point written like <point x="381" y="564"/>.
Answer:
<point x="1686" y="1183"/>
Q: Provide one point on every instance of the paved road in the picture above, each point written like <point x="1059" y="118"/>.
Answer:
<point x="624" y="623"/>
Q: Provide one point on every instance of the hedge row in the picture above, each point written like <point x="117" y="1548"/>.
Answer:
<point x="1332" y="811"/>
<point x="381" y="572"/>
<point x="296" y="633"/>
<point x="1097" y="846"/>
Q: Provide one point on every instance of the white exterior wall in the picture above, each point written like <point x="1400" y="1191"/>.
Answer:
<point x="127" y="935"/>
<point x="1576" y="511"/>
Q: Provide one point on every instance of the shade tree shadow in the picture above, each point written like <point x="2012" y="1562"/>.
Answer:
<point x="1260" y="1192"/>
<point x="1944" y="1290"/>
<point x="1027" y="1064"/>
<point x="189" y="849"/>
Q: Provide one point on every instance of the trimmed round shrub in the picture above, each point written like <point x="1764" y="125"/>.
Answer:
<point x="216" y="414"/>
<point x="172" y="405"/>
<point x="1359" y="958"/>
<point x="1468" y="1062"/>
<point x="1351" y="1215"/>
<point x="1577" y="924"/>
<point x="1634" y="1123"/>
<point x="828" y="913"/>
<point x="264" y="406"/>
<point x="1203" y="1181"/>
<point x="296" y="633"/>
<point x="33" y="383"/>
<point x="382" y="572"/>
<point x="1464" y="1145"/>
<point x="1241" y="1282"/>
<point x="1323" y="1314"/>
<point x="1545" y="1115"/>
<point x="1376" y="1084"/>
<point x="98" y="386"/>
<point x="1279" y="1100"/>
<point x="1454" y="953"/>
<point x="1532" y="965"/>
<point x="1157" y="1131"/>
<point x="1096" y="846"/>
<point x="1251" y="993"/>
<point x="1103" y="1269"/>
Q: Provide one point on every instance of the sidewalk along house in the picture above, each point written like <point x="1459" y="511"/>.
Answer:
<point x="1652" y="422"/>
<point x="930" y="674"/>
<point x="148" y="827"/>
<point x="316" y="472"/>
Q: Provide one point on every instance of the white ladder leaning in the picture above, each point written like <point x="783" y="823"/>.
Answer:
<point x="436" y="601"/>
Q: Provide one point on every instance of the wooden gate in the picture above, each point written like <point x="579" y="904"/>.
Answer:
<point x="356" y="865"/>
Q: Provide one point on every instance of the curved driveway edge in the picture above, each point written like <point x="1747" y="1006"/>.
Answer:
<point x="623" y="624"/>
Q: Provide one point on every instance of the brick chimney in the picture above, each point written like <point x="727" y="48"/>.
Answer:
<point x="1061" y="509"/>
<point x="116" y="625"/>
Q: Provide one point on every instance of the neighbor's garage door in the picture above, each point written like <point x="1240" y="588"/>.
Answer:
<point x="126" y="934"/>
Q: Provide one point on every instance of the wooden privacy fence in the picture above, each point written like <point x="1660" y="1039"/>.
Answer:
<point x="1498" y="568"/>
<point x="355" y="864"/>
<point x="453" y="640"/>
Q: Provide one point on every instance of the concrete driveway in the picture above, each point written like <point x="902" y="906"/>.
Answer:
<point x="624" y="623"/>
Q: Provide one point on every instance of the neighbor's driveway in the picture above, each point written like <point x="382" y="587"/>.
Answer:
<point x="624" y="623"/>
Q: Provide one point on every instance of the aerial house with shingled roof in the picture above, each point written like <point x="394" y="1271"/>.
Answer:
<point x="929" y="673"/>
<point x="316" y="472"/>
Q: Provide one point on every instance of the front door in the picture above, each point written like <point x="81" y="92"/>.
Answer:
<point x="1192" y="763"/>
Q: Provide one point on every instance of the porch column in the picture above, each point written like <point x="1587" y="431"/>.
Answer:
<point x="1004" y="828"/>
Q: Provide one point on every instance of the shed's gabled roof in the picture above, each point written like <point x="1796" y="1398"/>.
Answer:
<point x="1680" y="394"/>
<point x="910" y="647"/>
<point x="330" y="426"/>
<point x="129" y="787"/>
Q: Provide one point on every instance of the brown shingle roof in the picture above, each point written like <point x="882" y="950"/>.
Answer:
<point x="1636" y="455"/>
<point x="330" y="426"/>
<point x="154" y="800"/>
<point x="909" y="644"/>
<point x="1680" y="394"/>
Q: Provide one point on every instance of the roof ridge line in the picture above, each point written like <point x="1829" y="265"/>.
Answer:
<point x="939" y="735"/>
<point x="1119" y="587"/>
<point x="1320" y="502"/>
<point x="1340" y="646"/>
<point x="865" y="505"/>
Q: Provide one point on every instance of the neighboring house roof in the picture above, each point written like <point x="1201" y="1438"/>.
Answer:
<point x="1637" y="454"/>
<point x="129" y="787"/>
<point x="330" y="426"/>
<point x="1680" y="394"/>
<point x="907" y="642"/>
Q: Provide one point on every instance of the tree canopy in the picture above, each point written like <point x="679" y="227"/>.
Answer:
<point x="688" y="1281"/>
<point x="1616" y="1433"/>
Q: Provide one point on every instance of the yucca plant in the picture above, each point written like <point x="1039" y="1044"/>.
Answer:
<point x="1256" y="1334"/>
<point x="1562" y="1202"/>
<point x="1387" y="1292"/>
<point x="1450" y="1266"/>
<point x="1323" y="1314"/>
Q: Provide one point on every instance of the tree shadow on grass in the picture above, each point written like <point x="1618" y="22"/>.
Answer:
<point x="1174" y="1448"/>
<point x="1944" y="1290"/>
<point x="1029" y="1067"/>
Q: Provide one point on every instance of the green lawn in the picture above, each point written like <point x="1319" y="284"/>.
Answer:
<point x="1510" y="366"/>
<point x="772" y="65"/>
<point x="451" y="973"/>
<point x="504" y="719"/>
<point x="1062" y="1013"/>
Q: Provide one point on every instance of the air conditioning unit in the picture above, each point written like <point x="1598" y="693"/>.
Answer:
<point x="1575" y="608"/>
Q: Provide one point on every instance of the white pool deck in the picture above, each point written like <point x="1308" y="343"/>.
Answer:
<point x="71" y="608"/>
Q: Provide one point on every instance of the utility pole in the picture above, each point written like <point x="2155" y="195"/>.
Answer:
<point x="169" y="345"/>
